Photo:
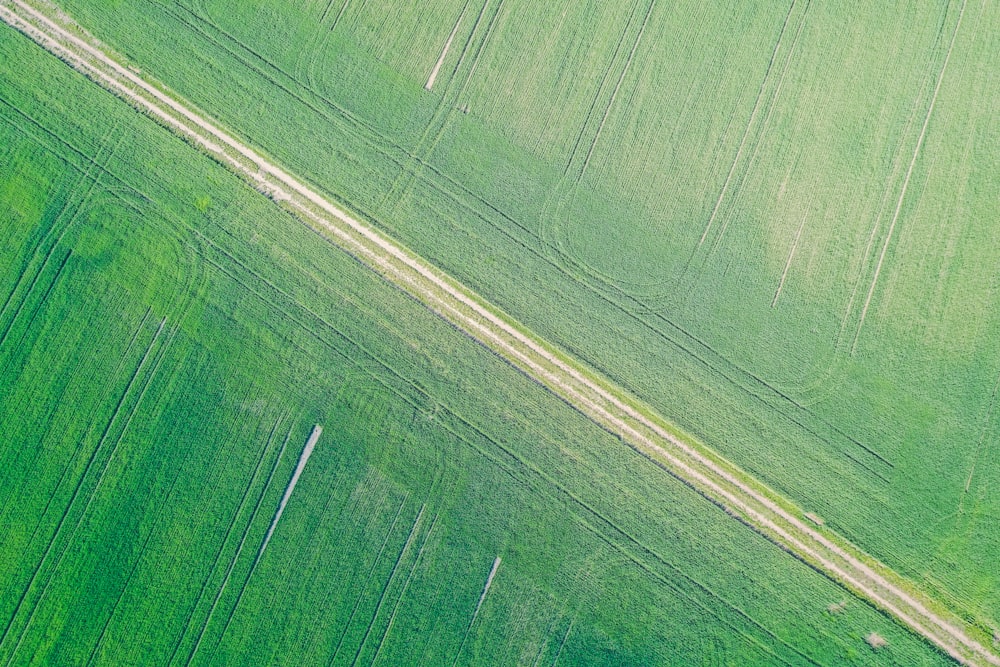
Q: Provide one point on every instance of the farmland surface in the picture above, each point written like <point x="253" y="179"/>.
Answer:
<point x="786" y="262"/>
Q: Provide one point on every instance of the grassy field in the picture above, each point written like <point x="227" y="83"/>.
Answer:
<point x="788" y="262"/>
<point x="771" y="219"/>
<point x="169" y="338"/>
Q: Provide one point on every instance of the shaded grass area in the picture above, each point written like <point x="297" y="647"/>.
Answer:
<point x="170" y="337"/>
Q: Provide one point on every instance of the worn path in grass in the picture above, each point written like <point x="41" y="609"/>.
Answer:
<point x="610" y="406"/>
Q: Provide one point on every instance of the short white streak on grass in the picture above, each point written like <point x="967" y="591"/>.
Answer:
<point x="486" y="588"/>
<point x="906" y="181"/>
<point x="563" y="642"/>
<point x="303" y="458"/>
<point x="788" y="263"/>
<point x="482" y="598"/>
<point x="444" y="52"/>
<point x="606" y="404"/>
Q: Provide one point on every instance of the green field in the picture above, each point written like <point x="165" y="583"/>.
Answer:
<point x="772" y="225"/>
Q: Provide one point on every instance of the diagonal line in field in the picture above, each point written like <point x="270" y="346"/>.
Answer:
<point x="788" y="262"/>
<point x="614" y="93"/>
<point x="906" y="180"/>
<point x="479" y="605"/>
<point x="606" y="404"/>
<point x="750" y="124"/>
<point x="444" y="52"/>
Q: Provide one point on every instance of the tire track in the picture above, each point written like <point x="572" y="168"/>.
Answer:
<point x="613" y="536"/>
<point x="64" y="221"/>
<point x="764" y="401"/>
<point x="788" y="262"/>
<point x="222" y="547"/>
<point x="160" y="515"/>
<point x="614" y="93"/>
<point x="368" y="579"/>
<point x="444" y="52"/>
<point x="402" y="593"/>
<point x="414" y="531"/>
<point x="750" y="122"/>
<point x="562" y="643"/>
<point x="605" y="78"/>
<point x="906" y="180"/>
<point x="97" y="458"/>
<point x="448" y="104"/>
<point x="772" y="102"/>
<point x="239" y="550"/>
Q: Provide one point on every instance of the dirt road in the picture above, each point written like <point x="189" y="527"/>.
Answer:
<point x="606" y="404"/>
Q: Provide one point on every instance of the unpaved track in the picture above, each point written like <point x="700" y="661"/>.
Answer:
<point x="607" y="405"/>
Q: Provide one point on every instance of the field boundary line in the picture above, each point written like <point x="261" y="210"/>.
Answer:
<point x="479" y="52"/>
<point x="606" y="404"/>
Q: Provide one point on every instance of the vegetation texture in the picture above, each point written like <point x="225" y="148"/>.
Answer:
<point x="766" y="224"/>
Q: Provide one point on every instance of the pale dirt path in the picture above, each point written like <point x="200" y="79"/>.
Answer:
<point x="607" y="405"/>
